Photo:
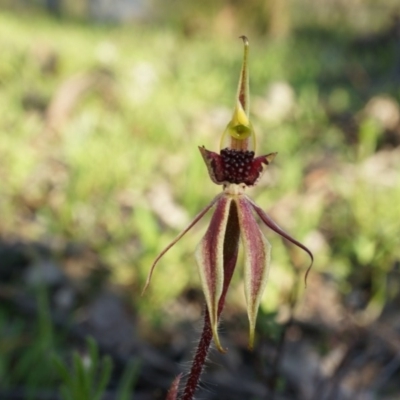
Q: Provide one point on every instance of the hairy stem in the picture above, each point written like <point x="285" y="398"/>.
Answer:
<point x="199" y="359"/>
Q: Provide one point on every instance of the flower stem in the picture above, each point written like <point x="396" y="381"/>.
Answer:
<point x="199" y="359"/>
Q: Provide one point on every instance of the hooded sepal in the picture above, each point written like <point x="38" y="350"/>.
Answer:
<point x="243" y="92"/>
<point x="210" y="260"/>
<point x="239" y="133"/>
<point x="257" y="254"/>
<point x="198" y="217"/>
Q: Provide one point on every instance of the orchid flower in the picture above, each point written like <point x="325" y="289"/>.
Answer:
<point x="235" y="168"/>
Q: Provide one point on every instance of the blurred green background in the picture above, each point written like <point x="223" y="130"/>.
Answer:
<point x="102" y="107"/>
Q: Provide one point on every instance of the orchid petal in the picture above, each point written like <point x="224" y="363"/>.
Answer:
<point x="198" y="217"/>
<point x="276" y="228"/>
<point x="210" y="260"/>
<point x="257" y="253"/>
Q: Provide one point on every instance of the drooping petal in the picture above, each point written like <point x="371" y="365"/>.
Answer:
<point x="210" y="260"/>
<point x="276" y="228"/>
<point x="198" y="217"/>
<point x="257" y="253"/>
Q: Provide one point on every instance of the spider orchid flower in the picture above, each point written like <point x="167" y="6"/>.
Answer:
<point x="235" y="168"/>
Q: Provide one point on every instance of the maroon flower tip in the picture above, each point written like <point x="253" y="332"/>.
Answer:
<point x="235" y="166"/>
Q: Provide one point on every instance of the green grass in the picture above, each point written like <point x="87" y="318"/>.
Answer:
<point x="92" y="180"/>
<point x="133" y="140"/>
